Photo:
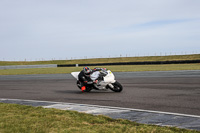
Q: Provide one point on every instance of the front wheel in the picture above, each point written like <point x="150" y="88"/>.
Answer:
<point x="117" y="87"/>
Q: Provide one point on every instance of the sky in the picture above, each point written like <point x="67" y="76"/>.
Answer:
<point x="74" y="29"/>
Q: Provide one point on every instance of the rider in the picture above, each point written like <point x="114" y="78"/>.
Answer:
<point x="84" y="77"/>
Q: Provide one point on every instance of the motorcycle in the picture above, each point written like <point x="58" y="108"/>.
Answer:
<point x="107" y="81"/>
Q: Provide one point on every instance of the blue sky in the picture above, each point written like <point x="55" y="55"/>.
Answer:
<point x="65" y="29"/>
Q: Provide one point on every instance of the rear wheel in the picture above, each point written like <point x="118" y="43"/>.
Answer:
<point x="88" y="89"/>
<point x="78" y="84"/>
<point x="117" y="87"/>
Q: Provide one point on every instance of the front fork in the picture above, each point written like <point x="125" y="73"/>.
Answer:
<point x="110" y="85"/>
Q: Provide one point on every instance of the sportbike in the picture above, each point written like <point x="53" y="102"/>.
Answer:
<point x="107" y="81"/>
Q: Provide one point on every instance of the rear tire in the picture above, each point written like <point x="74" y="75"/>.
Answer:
<point x="117" y="87"/>
<point x="78" y="83"/>
<point x="88" y="89"/>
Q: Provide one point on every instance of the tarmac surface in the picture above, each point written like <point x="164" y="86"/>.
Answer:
<point x="168" y="91"/>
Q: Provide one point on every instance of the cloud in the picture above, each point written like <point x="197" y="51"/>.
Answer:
<point x="67" y="28"/>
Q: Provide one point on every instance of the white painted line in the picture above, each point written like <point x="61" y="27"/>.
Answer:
<point x="58" y="106"/>
<point x="109" y="107"/>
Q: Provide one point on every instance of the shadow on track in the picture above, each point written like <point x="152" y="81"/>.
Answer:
<point x="80" y="92"/>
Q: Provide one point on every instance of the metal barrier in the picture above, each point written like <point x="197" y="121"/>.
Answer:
<point x="27" y="66"/>
<point x="134" y="63"/>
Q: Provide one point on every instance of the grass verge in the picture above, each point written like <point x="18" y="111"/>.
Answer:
<point x="107" y="60"/>
<point x="124" y="68"/>
<point x="20" y="118"/>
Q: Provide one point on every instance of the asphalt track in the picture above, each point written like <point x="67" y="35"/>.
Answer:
<point x="170" y="91"/>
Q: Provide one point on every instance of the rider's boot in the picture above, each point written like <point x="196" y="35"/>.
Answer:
<point x="83" y="88"/>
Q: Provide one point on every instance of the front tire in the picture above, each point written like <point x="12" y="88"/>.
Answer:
<point x="117" y="87"/>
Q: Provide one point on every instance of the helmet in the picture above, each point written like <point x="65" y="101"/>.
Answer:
<point x="87" y="70"/>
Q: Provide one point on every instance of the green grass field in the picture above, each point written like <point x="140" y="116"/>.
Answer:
<point x="125" y="68"/>
<point x="105" y="60"/>
<point x="27" y="119"/>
